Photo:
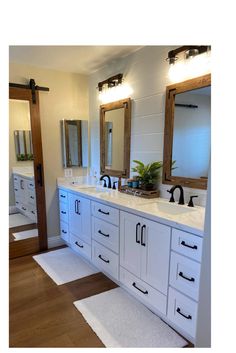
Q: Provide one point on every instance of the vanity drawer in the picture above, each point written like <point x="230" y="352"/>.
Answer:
<point x="64" y="231"/>
<point x="182" y="311"/>
<point x="187" y="244"/>
<point x="146" y="293"/>
<point x="185" y="275"/>
<point x="105" y="259"/>
<point x="105" y="233"/>
<point x="64" y="212"/>
<point x="105" y="212"/>
<point x="63" y="196"/>
<point x="30" y="184"/>
<point x="80" y="246"/>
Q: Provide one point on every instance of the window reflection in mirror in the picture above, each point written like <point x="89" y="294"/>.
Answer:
<point x="114" y="142"/>
<point x="74" y="143"/>
<point x="22" y="196"/>
<point x="192" y="133"/>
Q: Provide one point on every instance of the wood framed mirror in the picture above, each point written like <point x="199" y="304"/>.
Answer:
<point x="115" y="131"/>
<point x="27" y="206"/>
<point x="187" y="136"/>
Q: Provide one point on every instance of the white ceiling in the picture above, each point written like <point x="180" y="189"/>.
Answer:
<point x="78" y="59"/>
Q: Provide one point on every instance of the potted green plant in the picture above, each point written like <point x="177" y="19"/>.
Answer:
<point x="148" y="175"/>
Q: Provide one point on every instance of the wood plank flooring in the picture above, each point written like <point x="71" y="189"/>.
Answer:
<point x="42" y="314"/>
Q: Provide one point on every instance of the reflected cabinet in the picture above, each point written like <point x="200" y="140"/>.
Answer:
<point x="187" y="138"/>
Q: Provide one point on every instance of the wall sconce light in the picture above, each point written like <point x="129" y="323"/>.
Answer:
<point x="192" y="65"/>
<point x="113" y="89"/>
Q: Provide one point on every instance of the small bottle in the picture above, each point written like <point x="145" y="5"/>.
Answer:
<point x="130" y="183"/>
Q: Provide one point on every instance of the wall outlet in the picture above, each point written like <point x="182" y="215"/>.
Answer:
<point x="68" y="172"/>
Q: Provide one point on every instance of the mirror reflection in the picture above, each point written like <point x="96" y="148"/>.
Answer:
<point x="74" y="135"/>
<point x="114" y="139"/>
<point x="191" y="134"/>
<point x="22" y="197"/>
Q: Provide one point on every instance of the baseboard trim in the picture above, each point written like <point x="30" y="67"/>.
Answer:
<point x="55" y="241"/>
<point x="13" y="209"/>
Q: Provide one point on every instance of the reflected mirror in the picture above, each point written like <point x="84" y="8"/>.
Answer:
<point x="115" y="123"/>
<point x="74" y="137"/>
<point x="188" y="133"/>
<point x="22" y="196"/>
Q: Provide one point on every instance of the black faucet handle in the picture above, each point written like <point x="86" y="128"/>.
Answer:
<point x="172" y="196"/>
<point x="114" y="185"/>
<point x="190" y="204"/>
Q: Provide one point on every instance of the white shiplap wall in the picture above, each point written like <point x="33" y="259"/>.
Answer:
<point x="146" y="71"/>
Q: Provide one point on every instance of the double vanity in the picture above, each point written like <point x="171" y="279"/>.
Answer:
<point x="150" y="247"/>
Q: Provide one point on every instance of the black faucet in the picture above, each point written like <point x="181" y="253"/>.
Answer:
<point x="109" y="181"/>
<point x="181" y="196"/>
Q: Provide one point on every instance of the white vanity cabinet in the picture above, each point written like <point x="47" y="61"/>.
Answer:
<point x="144" y="253"/>
<point x="185" y="267"/>
<point x="63" y="205"/>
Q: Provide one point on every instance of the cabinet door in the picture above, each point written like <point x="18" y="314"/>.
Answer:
<point x="130" y="249"/>
<point x="85" y="214"/>
<point x="155" y="254"/>
<point x="74" y="214"/>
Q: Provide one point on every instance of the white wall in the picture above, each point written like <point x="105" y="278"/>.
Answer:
<point x="146" y="71"/>
<point x="67" y="99"/>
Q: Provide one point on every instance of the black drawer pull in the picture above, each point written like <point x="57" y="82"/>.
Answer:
<point x="32" y="197"/>
<point x="100" y="257"/>
<point x="137" y="226"/>
<point x="63" y="231"/>
<point x="144" y="292"/>
<point x="187" y="278"/>
<point x="16" y="189"/>
<point x="188" y="246"/>
<point x="107" y="213"/>
<point x="63" y="212"/>
<point x="142" y="231"/>
<point x="80" y="246"/>
<point x="189" y="317"/>
<point x="105" y="235"/>
<point x="63" y="196"/>
<point x="23" y="208"/>
<point x="31" y="184"/>
<point x="33" y="212"/>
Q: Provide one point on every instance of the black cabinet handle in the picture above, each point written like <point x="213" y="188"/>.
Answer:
<point x="63" y="212"/>
<point x="33" y="212"/>
<point x="188" y="246"/>
<point x="144" y="292"/>
<point x="106" y="213"/>
<point x="80" y="246"/>
<point x="187" y="278"/>
<point x="16" y="189"/>
<point x="63" y="196"/>
<point x="32" y="197"/>
<point x="100" y="257"/>
<point x="189" y="317"/>
<point x="31" y="184"/>
<point x="137" y="226"/>
<point x="105" y="235"/>
<point x="142" y="233"/>
<point x="63" y="231"/>
<point x="78" y="207"/>
<point x="23" y="208"/>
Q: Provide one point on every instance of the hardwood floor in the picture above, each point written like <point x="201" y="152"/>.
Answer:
<point x="42" y="314"/>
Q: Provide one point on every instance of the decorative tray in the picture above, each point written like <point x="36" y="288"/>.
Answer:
<point x="140" y="192"/>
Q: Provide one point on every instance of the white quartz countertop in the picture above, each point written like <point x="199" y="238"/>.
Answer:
<point x="27" y="175"/>
<point x="190" y="219"/>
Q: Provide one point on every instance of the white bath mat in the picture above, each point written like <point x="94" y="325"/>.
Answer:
<point x="64" y="265"/>
<point x="26" y="234"/>
<point x="18" y="219"/>
<point x="119" y="320"/>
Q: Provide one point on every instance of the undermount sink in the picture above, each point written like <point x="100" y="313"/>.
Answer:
<point x="167" y="208"/>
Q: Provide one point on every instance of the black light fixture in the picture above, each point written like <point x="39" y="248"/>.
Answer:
<point x="190" y="52"/>
<point x="112" y="81"/>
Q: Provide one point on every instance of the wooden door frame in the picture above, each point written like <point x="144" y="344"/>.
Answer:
<point x="38" y="243"/>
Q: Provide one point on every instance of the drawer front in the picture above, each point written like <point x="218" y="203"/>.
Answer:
<point x="32" y="197"/>
<point x="63" y="196"/>
<point x="80" y="246"/>
<point x="187" y="244"/>
<point x="105" y="233"/>
<point x="182" y="311"/>
<point x="64" y="231"/>
<point x="106" y="213"/>
<point x="146" y="293"/>
<point x="185" y="275"/>
<point x="30" y="184"/>
<point x="105" y="259"/>
<point x="63" y="212"/>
